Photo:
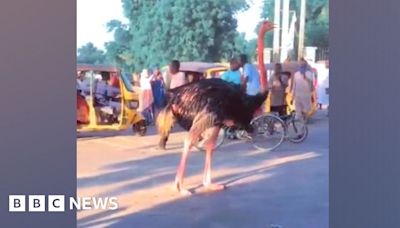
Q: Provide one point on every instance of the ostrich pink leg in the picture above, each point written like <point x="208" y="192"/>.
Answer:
<point x="181" y="168"/>
<point x="207" y="167"/>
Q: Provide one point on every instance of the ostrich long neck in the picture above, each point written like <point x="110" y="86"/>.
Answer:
<point x="260" y="57"/>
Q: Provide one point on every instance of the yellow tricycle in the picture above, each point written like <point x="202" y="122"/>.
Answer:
<point x="195" y="71"/>
<point x="106" y="101"/>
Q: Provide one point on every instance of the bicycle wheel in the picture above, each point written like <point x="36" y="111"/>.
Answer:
<point x="220" y="140"/>
<point x="269" y="132"/>
<point x="296" y="131"/>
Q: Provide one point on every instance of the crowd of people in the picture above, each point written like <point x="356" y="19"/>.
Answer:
<point x="152" y="85"/>
<point x="301" y="85"/>
<point x="280" y="83"/>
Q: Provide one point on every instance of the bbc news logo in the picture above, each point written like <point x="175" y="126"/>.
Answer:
<point x="57" y="203"/>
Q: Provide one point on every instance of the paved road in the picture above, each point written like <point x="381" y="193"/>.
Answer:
<point x="285" y="188"/>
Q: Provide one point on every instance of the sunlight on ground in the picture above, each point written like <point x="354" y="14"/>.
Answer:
<point x="138" y="198"/>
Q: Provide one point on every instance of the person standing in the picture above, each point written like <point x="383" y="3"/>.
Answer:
<point x="177" y="78"/>
<point x="146" y="96"/>
<point x="233" y="74"/>
<point x="326" y="85"/>
<point x="278" y="83"/>
<point x="158" y="89"/>
<point x="174" y="79"/>
<point x="251" y="76"/>
<point x="302" y="88"/>
<point x="250" y="79"/>
<point x="323" y="83"/>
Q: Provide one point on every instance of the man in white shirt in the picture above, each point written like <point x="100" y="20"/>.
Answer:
<point x="103" y="91"/>
<point x="79" y="79"/>
<point x="302" y="87"/>
<point x="323" y="84"/>
<point x="82" y="84"/>
<point x="177" y="78"/>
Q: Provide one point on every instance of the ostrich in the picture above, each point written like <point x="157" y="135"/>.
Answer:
<point x="207" y="105"/>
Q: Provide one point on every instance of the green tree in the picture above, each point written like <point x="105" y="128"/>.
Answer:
<point x="317" y="21"/>
<point x="162" y="30"/>
<point x="90" y="54"/>
<point x="117" y="51"/>
<point x="248" y="47"/>
<point x="267" y="13"/>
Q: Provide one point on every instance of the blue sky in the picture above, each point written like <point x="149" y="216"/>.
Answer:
<point x="93" y="15"/>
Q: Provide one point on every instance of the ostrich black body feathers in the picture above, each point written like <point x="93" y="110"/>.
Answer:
<point x="210" y="103"/>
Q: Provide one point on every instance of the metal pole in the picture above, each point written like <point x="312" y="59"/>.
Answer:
<point x="285" y="29"/>
<point x="302" y="29"/>
<point x="277" y="22"/>
<point x="91" y="84"/>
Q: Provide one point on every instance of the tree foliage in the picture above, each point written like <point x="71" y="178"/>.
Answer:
<point x="117" y="51"/>
<point x="90" y="54"/>
<point x="317" y="21"/>
<point x="158" y="31"/>
<point x="248" y="47"/>
<point x="161" y="30"/>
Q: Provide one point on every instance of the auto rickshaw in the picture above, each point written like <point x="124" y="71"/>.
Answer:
<point x="195" y="71"/>
<point x="209" y="70"/>
<point x="114" y="110"/>
<point x="292" y="68"/>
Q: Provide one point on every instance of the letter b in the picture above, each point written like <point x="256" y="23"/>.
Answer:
<point x="16" y="203"/>
<point x="37" y="203"/>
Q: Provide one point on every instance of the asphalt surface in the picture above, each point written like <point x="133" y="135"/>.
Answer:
<point x="284" y="188"/>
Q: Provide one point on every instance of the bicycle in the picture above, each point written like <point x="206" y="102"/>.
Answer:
<point x="269" y="132"/>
